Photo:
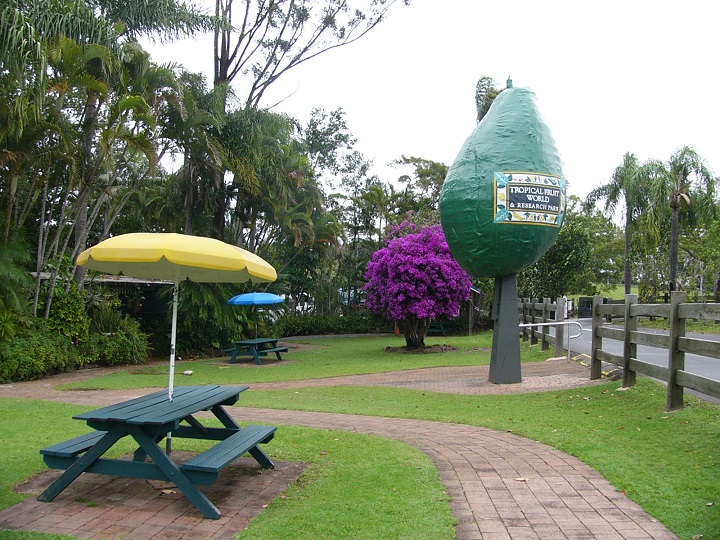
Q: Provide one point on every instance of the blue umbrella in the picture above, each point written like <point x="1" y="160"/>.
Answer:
<point x="255" y="299"/>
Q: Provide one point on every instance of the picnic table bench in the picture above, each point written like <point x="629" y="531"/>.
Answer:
<point x="148" y="420"/>
<point x="256" y="348"/>
<point x="436" y="328"/>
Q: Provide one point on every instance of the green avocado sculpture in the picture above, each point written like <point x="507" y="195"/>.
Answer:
<point x="502" y="206"/>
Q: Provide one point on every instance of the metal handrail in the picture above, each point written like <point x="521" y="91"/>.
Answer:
<point x="558" y="323"/>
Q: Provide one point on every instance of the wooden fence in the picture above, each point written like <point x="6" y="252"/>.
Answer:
<point x="546" y="311"/>
<point x="675" y="342"/>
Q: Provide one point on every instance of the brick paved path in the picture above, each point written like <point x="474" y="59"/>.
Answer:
<point x="501" y="486"/>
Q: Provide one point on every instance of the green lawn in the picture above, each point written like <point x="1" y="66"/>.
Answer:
<point x="345" y="492"/>
<point x="668" y="462"/>
<point x="327" y="357"/>
<point x="618" y="292"/>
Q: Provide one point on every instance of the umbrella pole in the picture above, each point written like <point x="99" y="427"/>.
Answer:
<point x="171" y="383"/>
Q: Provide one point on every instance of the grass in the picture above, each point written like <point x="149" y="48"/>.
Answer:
<point x="667" y="462"/>
<point x="691" y="325"/>
<point x="617" y="292"/>
<point x="321" y="358"/>
<point x="350" y="493"/>
<point x="344" y="489"/>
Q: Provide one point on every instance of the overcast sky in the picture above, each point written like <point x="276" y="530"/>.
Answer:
<point x="610" y="77"/>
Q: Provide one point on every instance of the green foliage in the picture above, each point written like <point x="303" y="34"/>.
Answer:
<point x="40" y="354"/>
<point x="315" y="325"/>
<point x="564" y="269"/>
<point x="15" y="281"/>
<point x="68" y="316"/>
<point x="126" y="345"/>
<point x="485" y="94"/>
<point x="421" y="196"/>
<point x="106" y="320"/>
<point x="11" y="324"/>
<point x="205" y="321"/>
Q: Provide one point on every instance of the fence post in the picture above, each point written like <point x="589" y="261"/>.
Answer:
<point x="676" y="358"/>
<point x="629" y="348"/>
<point x="526" y="317"/>
<point x="545" y="345"/>
<point x="533" y="313"/>
<point x="560" y="328"/>
<point x="595" y="362"/>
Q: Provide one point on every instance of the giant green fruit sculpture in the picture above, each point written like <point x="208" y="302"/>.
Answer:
<point x="503" y="200"/>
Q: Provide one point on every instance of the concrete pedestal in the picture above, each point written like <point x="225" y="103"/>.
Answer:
<point x="505" y="357"/>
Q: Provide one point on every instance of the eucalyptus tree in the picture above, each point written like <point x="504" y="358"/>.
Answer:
<point x="629" y="187"/>
<point x="267" y="39"/>
<point x="686" y="185"/>
<point x="423" y="186"/>
<point x="325" y="138"/>
<point x="261" y="41"/>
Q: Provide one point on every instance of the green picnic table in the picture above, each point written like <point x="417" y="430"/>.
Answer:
<point x="256" y="348"/>
<point x="148" y="420"/>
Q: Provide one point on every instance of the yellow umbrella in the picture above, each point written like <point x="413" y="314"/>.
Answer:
<point x="176" y="257"/>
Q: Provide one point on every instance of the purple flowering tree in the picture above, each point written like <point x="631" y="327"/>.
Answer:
<point x="414" y="279"/>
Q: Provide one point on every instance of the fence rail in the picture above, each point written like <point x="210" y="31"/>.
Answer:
<point x="675" y="341"/>
<point x="533" y="318"/>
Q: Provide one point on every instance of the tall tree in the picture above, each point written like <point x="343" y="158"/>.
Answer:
<point x="485" y="94"/>
<point x="326" y="138"/>
<point x="190" y="127"/>
<point x="269" y="38"/>
<point x="686" y="184"/>
<point x="423" y="186"/>
<point x="564" y="269"/>
<point x="629" y="187"/>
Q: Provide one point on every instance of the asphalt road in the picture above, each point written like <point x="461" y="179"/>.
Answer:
<point x="699" y="365"/>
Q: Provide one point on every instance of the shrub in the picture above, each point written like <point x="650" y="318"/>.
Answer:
<point x="43" y="353"/>
<point x="312" y="324"/>
<point x="128" y="345"/>
<point x="68" y="316"/>
<point x="106" y="320"/>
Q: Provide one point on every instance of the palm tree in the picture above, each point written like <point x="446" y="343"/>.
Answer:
<point x="688" y="186"/>
<point x="627" y="185"/>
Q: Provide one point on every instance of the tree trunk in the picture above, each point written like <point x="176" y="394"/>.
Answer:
<point x="81" y="231"/>
<point x="415" y="330"/>
<point x="674" y="241"/>
<point x="627" y="274"/>
<point x="14" y="177"/>
<point x="88" y="177"/>
<point x="189" y="195"/>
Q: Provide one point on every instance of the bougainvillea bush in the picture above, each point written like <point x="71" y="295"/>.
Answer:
<point x="414" y="279"/>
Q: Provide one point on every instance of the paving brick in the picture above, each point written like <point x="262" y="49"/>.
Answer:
<point x="558" y="497"/>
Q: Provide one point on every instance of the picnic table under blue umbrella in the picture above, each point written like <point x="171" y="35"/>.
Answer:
<point x="255" y="299"/>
